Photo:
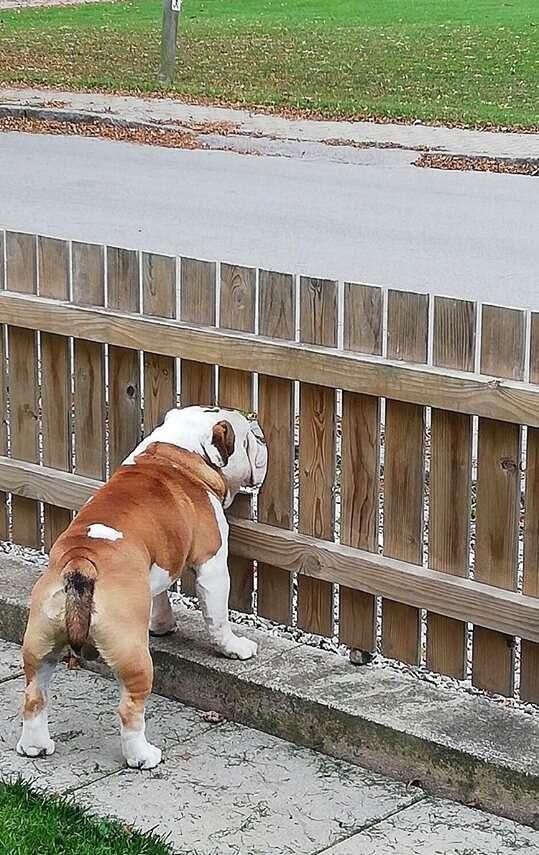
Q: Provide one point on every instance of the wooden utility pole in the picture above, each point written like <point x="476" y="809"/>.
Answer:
<point x="169" y="35"/>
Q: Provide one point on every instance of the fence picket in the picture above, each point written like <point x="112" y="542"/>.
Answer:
<point x="159" y="300"/>
<point x="197" y="306"/>
<point x="276" y="416"/>
<point x="450" y="483"/>
<point x="88" y="278"/>
<point x="360" y="464"/>
<point x="4" y="520"/>
<point x="498" y="494"/>
<point x="124" y="367"/>
<point x="407" y="329"/>
<point x="21" y="269"/>
<point x="53" y="261"/>
<point x="318" y="325"/>
<point x="235" y="390"/>
<point x="529" y="656"/>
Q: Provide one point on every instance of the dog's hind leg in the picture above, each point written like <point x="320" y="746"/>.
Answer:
<point x="135" y="673"/>
<point x="41" y="649"/>
<point x="38" y="668"/>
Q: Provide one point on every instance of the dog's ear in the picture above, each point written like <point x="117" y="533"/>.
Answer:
<point x="220" y="446"/>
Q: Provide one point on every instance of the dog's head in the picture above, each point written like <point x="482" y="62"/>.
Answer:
<point x="227" y="439"/>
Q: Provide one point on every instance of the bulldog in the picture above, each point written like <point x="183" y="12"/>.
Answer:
<point x="108" y="576"/>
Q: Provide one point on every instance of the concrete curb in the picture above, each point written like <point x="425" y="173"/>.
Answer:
<point x="449" y="743"/>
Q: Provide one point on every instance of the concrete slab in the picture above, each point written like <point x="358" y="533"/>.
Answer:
<point x="235" y="790"/>
<point x="10" y="661"/>
<point x="436" y="827"/>
<point x="85" y="727"/>
<point x="455" y="744"/>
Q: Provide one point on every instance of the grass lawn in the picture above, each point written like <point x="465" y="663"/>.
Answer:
<point x="465" y="61"/>
<point x="31" y="824"/>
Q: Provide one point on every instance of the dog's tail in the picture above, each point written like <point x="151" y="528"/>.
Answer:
<point x="79" y="577"/>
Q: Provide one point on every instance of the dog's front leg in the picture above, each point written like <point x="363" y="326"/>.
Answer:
<point x="162" y="620"/>
<point x="213" y="588"/>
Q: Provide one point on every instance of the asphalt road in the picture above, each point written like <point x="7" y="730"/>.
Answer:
<point x="380" y="220"/>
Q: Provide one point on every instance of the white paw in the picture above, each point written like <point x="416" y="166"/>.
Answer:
<point x="29" y="749"/>
<point x="163" y="628"/>
<point x="144" y="758"/>
<point x="239" y="647"/>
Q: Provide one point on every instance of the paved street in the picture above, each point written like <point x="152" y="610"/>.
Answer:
<point x="224" y="789"/>
<point x="378" y="220"/>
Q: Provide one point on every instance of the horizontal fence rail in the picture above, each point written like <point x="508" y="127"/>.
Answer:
<point x="400" y="512"/>
<point x="473" y="394"/>
<point x="461" y="599"/>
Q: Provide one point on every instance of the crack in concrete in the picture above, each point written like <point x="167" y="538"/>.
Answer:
<point x="371" y="824"/>
<point x="15" y="676"/>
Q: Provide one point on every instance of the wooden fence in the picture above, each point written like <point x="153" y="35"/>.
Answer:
<point x="401" y="506"/>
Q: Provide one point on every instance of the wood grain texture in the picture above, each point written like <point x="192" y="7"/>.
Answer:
<point x="237" y="311"/>
<point x="197" y="306"/>
<point x="458" y="598"/>
<point x="53" y="267"/>
<point x="529" y="654"/>
<point x="498" y="492"/>
<point x="318" y="324"/>
<point x="124" y="410"/>
<point x="158" y="300"/>
<point x="407" y="330"/>
<point x="444" y="388"/>
<point x="276" y="417"/>
<point x="360" y="464"/>
<point x="88" y="281"/>
<point x="450" y="483"/>
<point x="4" y="519"/>
<point x="21" y="270"/>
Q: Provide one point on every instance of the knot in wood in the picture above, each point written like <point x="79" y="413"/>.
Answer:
<point x="130" y="391"/>
<point x="310" y="565"/>
<point x="508" y="465"/>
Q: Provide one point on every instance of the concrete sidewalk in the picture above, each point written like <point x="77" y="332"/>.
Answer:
<point x="225" y="789"/>
<point x="243" y="130"/>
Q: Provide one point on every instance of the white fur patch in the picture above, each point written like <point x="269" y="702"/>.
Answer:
<point x="160" y="579"/>
<point x="104" y="532"/>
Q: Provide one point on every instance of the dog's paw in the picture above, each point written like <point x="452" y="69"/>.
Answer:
<point x="34" y="749"/>
<point x="239" y="647"/>
<point x="146" y="758"/>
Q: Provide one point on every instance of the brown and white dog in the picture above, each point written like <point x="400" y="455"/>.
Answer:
<point x="108" y="574"/>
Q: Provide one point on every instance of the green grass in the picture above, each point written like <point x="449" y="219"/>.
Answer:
<point x="474" y="62"/>
<point x="34" y="824"/>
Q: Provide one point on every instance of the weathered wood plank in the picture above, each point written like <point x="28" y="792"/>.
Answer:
<point x="318" y="324"/>
<point x="529" y="654"/>
<point x="53" y="266"/>
<point x="159" y="300"/>
<point x="197" y="306"/>
<point x="498" y="493"/>
<point x="458" y="598"/>
<point x="237" y="311"/>
<point x="276" y="417"/>
<point x="124" y="411"/>
<point x="443" y="388"/>
<point x="450" y="482"/>
<point x="407" y="330"/>
<point x="88" y="279"/>
<point x="4" y="519"/>
<point x="360" y="464"/>
<point x="21" y="270"/>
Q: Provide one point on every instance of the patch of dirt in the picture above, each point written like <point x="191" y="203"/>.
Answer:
<point x="477" y="164"/>
<point x="120" y="133"/>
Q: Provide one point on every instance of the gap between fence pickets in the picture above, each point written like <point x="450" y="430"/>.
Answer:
<point x="457" y="597"/>
<point x="474" y="394"/>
